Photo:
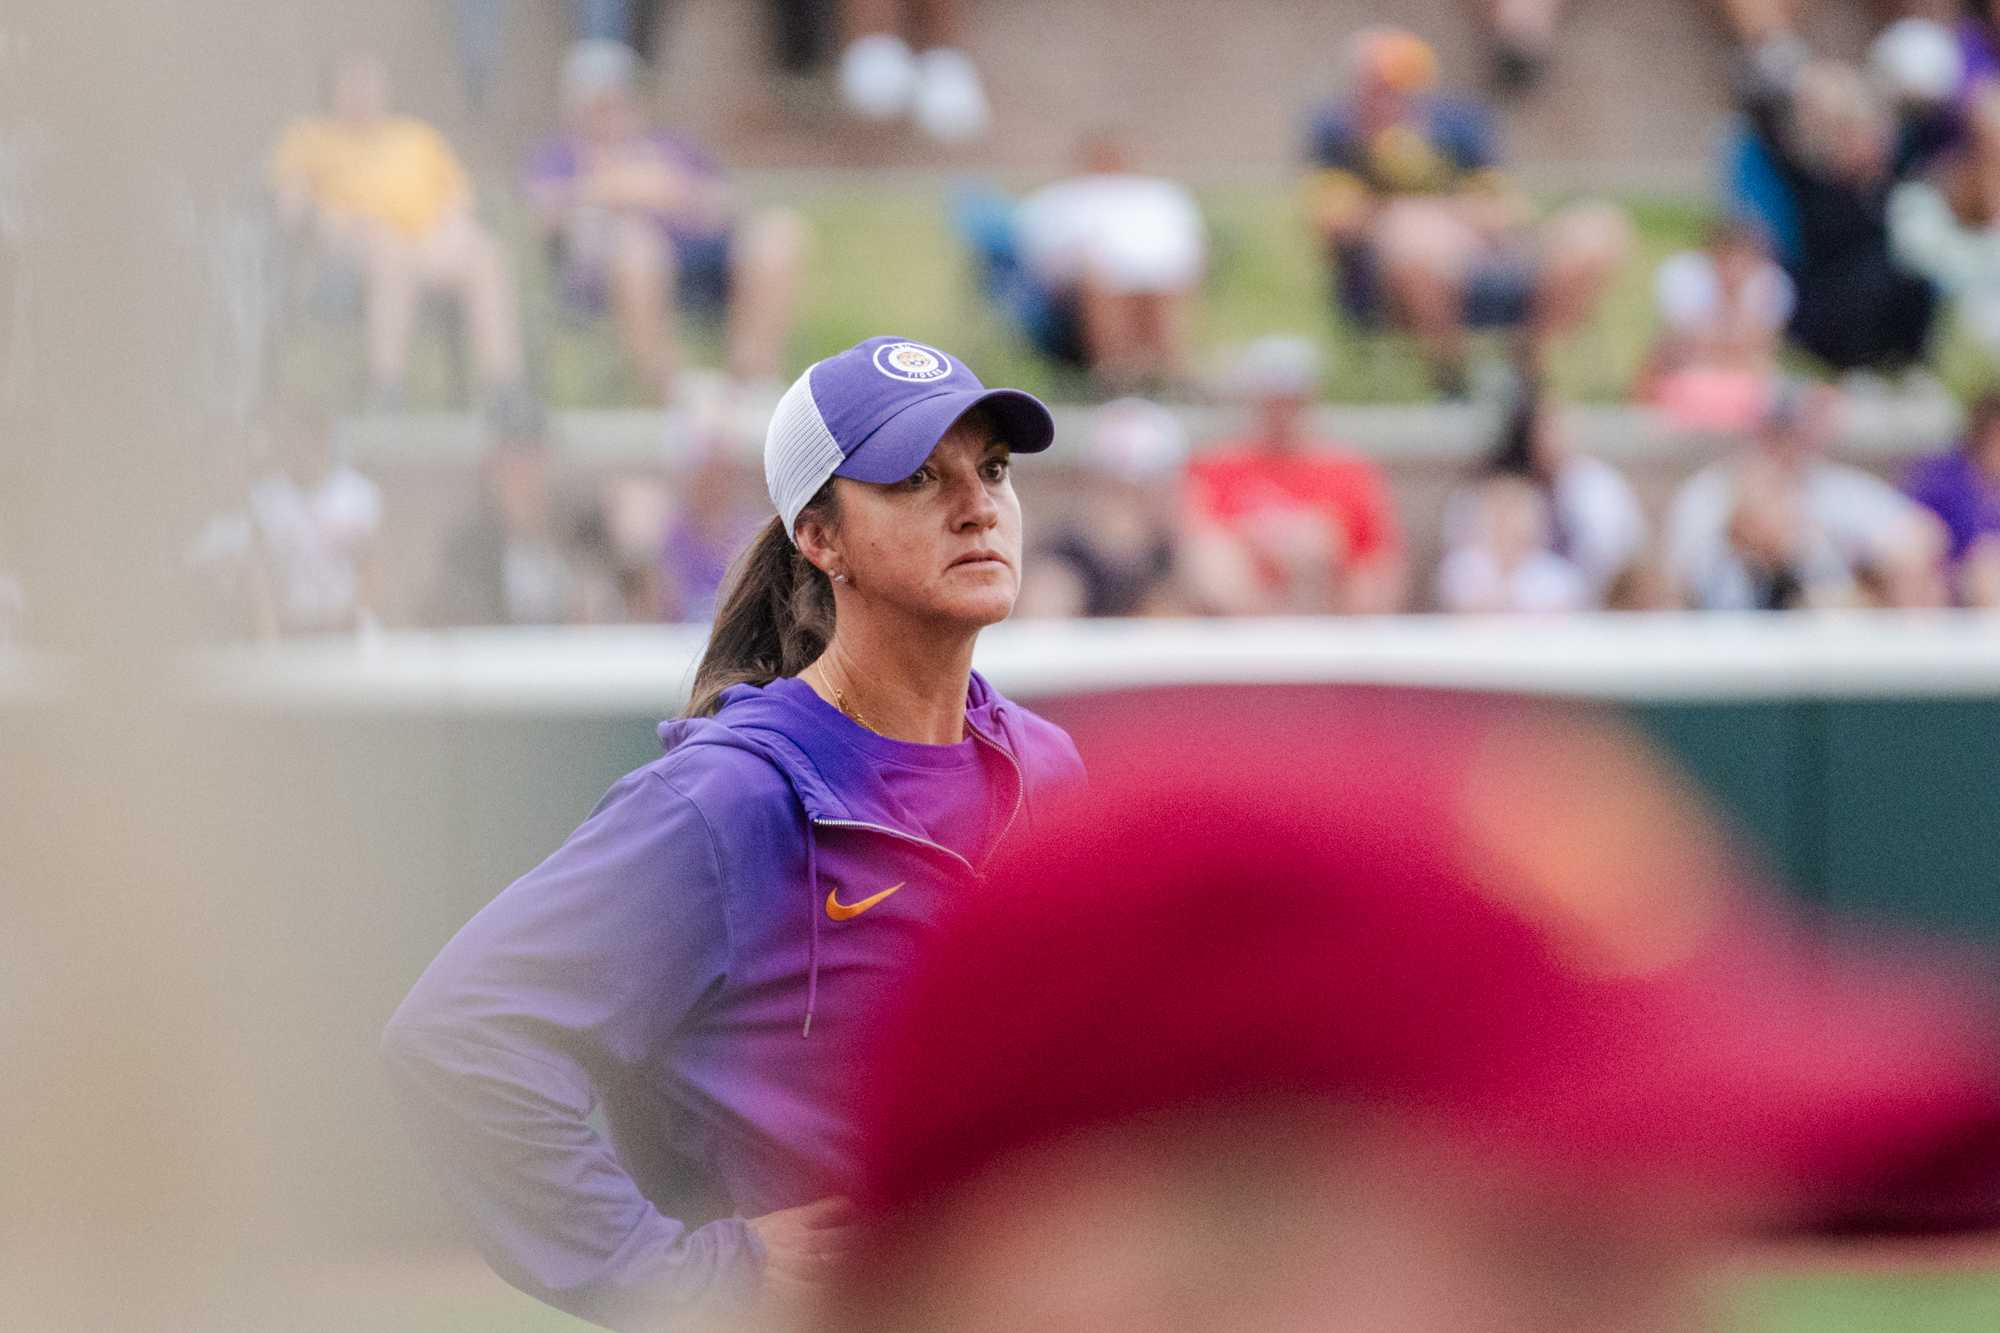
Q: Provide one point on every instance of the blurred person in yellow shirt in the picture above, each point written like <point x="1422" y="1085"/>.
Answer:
<point x="387" y="207"/>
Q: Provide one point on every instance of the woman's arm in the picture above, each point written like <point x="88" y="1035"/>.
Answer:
<point x="579" y="971"/>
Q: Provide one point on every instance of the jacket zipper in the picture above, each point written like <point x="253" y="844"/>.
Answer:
<point x="1020" y="787"/>
<point x="896" y="833"/>
<point x="1020" y="797"/>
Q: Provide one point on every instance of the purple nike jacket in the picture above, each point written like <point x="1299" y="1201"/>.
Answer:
<point x="643" y="1040"/>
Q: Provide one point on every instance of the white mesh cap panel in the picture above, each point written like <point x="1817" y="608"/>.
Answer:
<point x="800" y="453"/>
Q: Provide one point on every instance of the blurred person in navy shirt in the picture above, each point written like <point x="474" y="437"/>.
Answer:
<point x="1423" y="230"/>
<point x="1839" y="150"/>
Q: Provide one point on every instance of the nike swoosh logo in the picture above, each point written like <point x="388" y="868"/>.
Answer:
<point x="840" y="911"/>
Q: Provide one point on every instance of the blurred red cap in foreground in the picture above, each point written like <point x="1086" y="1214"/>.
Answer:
<point x="1514" y="924"/>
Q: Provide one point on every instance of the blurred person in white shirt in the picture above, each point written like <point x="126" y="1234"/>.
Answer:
<point x="1502" y="562"/>
<point x="1780" y="525"/>
<point x="305" y="544"/>
<point x="1119" y="257"/>
<point x="1591" y="519"/>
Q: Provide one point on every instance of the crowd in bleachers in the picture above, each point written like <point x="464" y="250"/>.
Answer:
<point x="1861" y="203"/>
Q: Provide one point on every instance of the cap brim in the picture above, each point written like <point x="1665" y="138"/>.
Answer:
<point x="900" y="445"/>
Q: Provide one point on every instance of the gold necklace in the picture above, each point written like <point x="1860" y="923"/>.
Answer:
<point x="840" y="702"/>
<point x="840" y="698"/>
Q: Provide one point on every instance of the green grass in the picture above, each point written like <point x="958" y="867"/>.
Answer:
<point x="1814" y="1301"/>
<point x="1956" y="1302"/>
<point x="885" y="259"/>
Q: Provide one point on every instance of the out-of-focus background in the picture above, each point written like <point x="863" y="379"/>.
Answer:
<point x="382" y="390"/>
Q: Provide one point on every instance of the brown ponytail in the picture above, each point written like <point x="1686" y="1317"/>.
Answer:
<point x="775" y="616"/>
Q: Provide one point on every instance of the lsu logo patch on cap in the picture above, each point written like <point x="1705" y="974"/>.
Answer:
<point x="911" y="362"/>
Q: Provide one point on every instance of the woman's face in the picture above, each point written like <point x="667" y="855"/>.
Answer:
<point x="944" y="544"/>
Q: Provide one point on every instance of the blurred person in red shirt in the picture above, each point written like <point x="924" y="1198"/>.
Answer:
<point x="1460" y="1017"/>
<point x="386" y="210"/>
<point x="1282" y="522"/>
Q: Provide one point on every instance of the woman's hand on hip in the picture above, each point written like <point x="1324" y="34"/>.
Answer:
<point x="803" y="1249"/>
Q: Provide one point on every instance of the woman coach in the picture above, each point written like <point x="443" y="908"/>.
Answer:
<point x="702" y="958"/>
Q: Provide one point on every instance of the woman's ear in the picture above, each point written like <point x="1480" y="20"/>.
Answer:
<point x="816" y="545"/>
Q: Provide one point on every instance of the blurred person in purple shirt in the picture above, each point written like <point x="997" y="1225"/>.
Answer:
<point x="643" y="223"/>
<point x="633" y="1070"/>
<point x="1962" y="487"/>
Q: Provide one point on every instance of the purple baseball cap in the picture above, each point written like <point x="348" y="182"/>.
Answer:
<point x="874" y="413"/>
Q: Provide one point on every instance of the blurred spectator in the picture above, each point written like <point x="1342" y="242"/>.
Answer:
<point x="718" y="505"/>
<point x="1523" y="35"/>
<point x="883" y="77"/>
<point x="1761" y="21"/>
<point x="639" y="220"/>
<point x="1780" y="526"/>
<point x="1947" y="227"/>
<point x="1281" y="522"/>
<point x="304" y="549"/>
<point x="1584" y="517"/>
<point x="1502" y="557"/>
<point x="1725" y="308"/>
<point x="1838" y="152"/>
<point x="385" y="212"/>
<point x="516" y="559"/>
<point x="1115" y="258"/>
<point x="1447" y="1018"/>
<point x="1962" y="488"/>
<point x="1115" y="553"/>
<point x="1423" y="230"/>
